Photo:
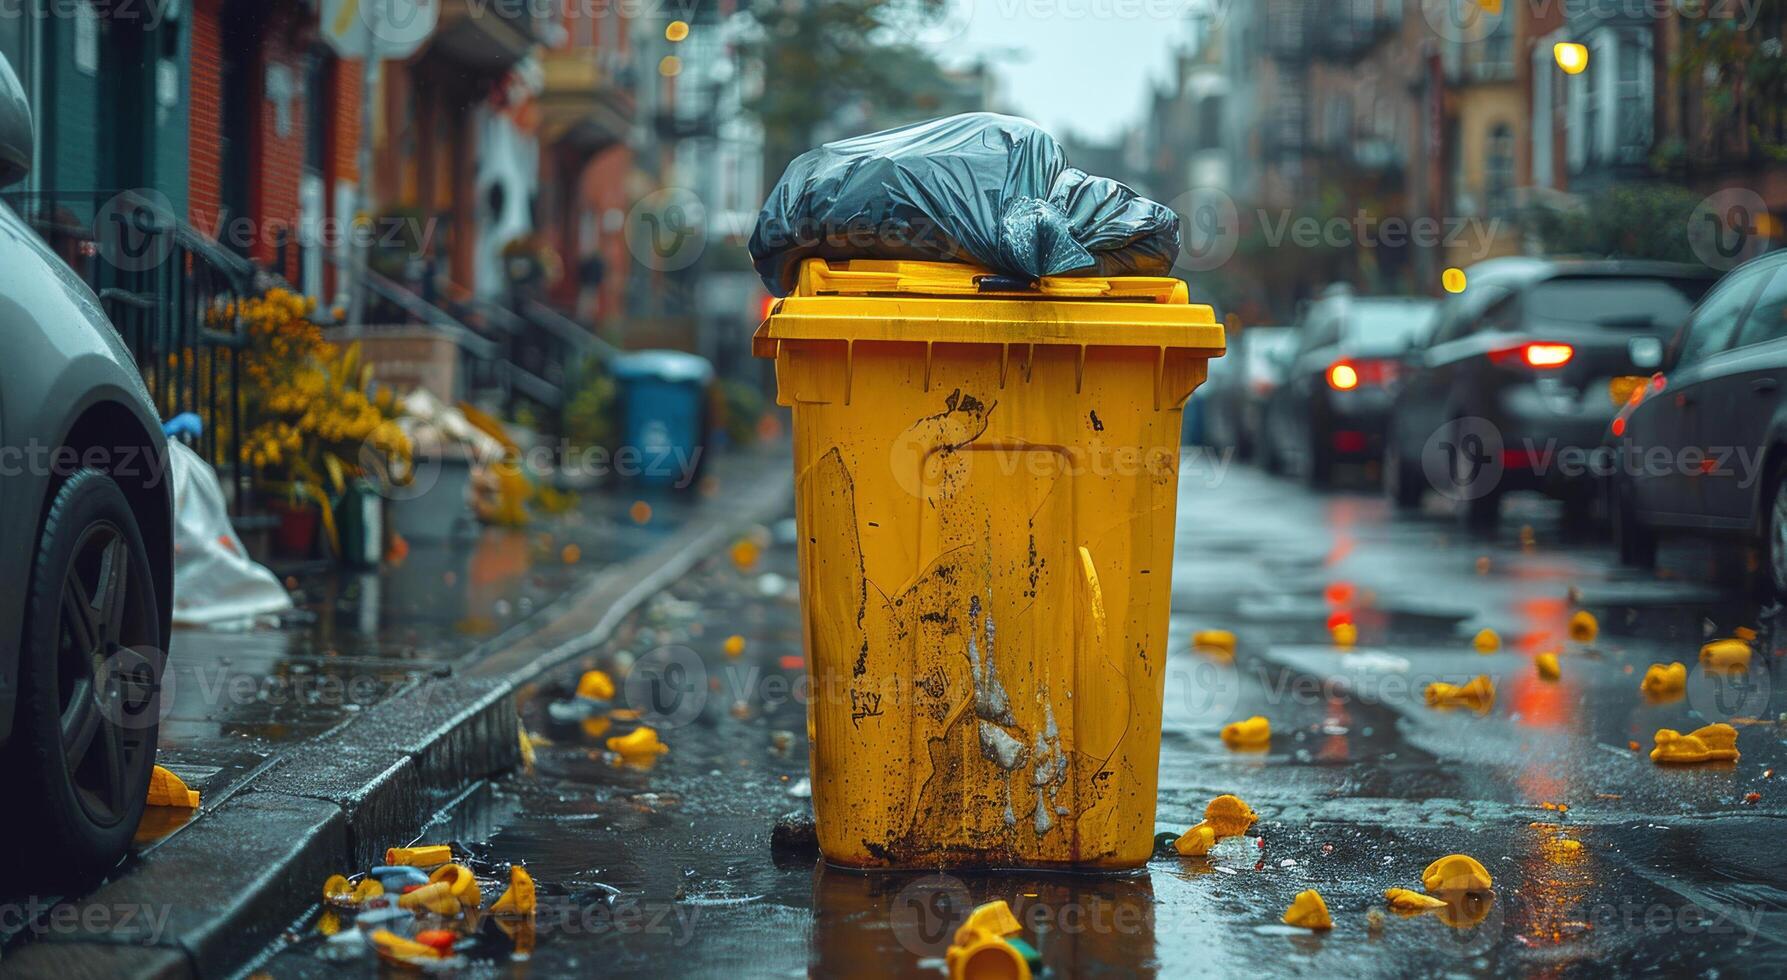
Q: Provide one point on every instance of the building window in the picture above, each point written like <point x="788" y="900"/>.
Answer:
<point x="1498" y="172"/>
<point x="1632" y="127"/>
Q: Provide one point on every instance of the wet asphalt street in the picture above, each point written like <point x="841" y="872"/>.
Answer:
<point x="668" y="870"/>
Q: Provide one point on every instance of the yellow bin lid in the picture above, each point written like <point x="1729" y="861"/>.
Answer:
<point x="944" y="302"/>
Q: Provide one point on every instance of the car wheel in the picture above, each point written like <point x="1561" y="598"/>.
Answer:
<point x="1636" y="542"/>
<point x="1403" y="484"/>
<point x="1777" y="538"/>
<point x="91" y="656"/>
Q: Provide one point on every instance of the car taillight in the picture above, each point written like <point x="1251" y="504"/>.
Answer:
<point x="1537" y="355"/>
<point x="1347" y="375"/>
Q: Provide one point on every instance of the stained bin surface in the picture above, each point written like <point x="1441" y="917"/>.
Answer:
<point x="987" y="475"/>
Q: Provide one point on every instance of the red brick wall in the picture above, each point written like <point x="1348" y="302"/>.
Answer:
<point x="205" y="126"/>
<point x="341" y="163"/>
<point x="276" y="162"/>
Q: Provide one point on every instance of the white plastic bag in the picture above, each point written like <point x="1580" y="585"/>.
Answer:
<point x="215" y="582"/>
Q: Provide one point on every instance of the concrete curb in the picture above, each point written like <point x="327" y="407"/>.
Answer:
<point x="207" y="900"/>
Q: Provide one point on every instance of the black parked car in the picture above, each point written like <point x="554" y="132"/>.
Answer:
<point x="1702" y="445"/>
<point x="1511" y="391"/>
<point x="1332" y="404"/>
<point x="86" y="552"/>
<point x="1236" y="399"/>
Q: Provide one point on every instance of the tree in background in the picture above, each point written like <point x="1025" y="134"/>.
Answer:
<point x="820" y="55"/>
<point x="1627" y="221"/>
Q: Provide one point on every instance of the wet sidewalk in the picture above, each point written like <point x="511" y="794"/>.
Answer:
<point x="668" y="869"/>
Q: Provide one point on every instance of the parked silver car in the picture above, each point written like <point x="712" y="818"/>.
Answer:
<point x="86" y="518"/>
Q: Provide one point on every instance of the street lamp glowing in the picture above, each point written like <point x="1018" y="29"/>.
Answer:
<point x="1571" y="57"/>
<point x="677" y="31"/>
<point x="1453" y="280"/>
<point x="671" y="66"/>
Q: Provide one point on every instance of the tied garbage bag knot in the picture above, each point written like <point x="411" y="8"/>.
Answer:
<point x="980" y="188"/>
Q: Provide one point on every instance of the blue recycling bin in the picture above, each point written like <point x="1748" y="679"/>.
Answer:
<point x="663" y="398"/>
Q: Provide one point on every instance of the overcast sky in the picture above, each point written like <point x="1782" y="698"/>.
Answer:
<point x="1080" y="66"/>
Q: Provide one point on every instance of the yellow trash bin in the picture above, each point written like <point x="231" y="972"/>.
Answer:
<point x="987" y="477"/>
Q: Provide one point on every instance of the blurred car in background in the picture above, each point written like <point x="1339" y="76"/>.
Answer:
<point x="1234" y="411"/>
<point x="1701" y="446"/>
<point x="1511" y="390"/>
<point x="1335" y="395"/>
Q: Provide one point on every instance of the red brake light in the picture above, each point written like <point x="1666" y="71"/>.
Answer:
<point x="1347" y="375"/>
<point x="1538" y="355"/>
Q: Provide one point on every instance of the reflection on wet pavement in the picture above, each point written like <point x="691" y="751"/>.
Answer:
<point x="1601" y="859"/>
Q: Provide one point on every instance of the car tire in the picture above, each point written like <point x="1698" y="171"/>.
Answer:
<point x="90" y="660"/>
<point x="1635" y="541"/>
<point x="1775" y="540"/>
<point x="1403" y="484"/>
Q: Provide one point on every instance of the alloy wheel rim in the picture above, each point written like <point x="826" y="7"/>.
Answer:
<point x="104" y="685"/>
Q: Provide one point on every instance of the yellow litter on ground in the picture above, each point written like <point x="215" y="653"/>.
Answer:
<point x="394" y="947"/>
<point x="520" y="899"/>
<point x="1455" y="873"/>
<point x="1197" y="841"/>
<point x="596" y="686"/>
<point x="436" y="897"/>
<point x="641" y="741"/>
<point x="1584" y="627"/>
<point x="421" y="856"/>
<point x="980" y="951"/>
<point x="1478" y="694"/>
<point x="1664" y="680"/>
<point x="1255" y="732"/>
<point x="167" y="789"/>
<point x="1547" y="666"/>
<point x="1228" y="816"/>
<point x="1404" y="900"/>
<point x="1487" y="641"/>
<point x="1714" y="743"/>
<point x="1308" y="911"/>
<point x="1214" y="641"/>
<point x="1726" y="655"/>
<point x="461" y="882"/>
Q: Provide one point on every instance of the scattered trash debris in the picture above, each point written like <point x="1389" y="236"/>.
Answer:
<point x="167" y="789"/>
<point x="595" y="685"/>
<point x="520" y="898"/>
<point x="1664" y="680"/>
<point x="1197" y="841"/>
<point x="985" y="946"/>
<point x="1726" y="655"/>
<point x="1487" y="641"/>
<point x="1584" y="627"/>
<point x="795" y="833"/>
<point x="436" y="897"/>
<point x="1714" y="743"/>
<point x="1214" y="641"/>
<point x="745" y="554"/>
<point x="802" y="789"/>
<point x="1547" y="666"/>
<point x="340" y="892"/>
<point x="460" y="882"/>
<point x="1308" y="911"/>
<point x="1745" y="634"/>
<point x="423" y="856"/>
<point x="1228" y="816"/>
<point x="393" y="947"/>
<point x="1456" y="873"/>
<point x="641" y="742"/>
<point x="1253" y="733"/>
<point x="1405" y="900"/>
<point x="1479" y="694"/>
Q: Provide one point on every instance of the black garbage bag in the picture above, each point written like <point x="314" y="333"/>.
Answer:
<point x="991" y="190"/>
